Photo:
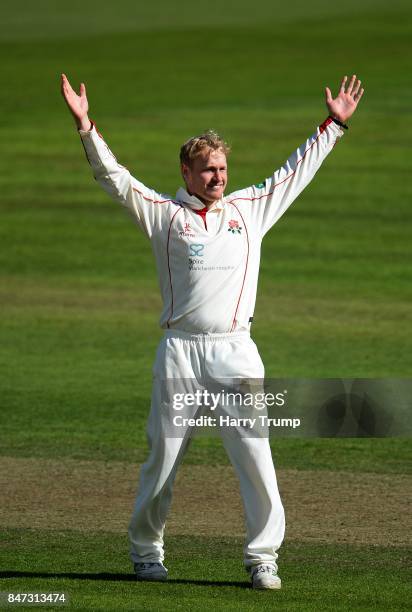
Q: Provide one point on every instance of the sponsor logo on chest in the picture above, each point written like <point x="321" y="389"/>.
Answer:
<point x="196" y="250"/>
<point x="187" y="231"/>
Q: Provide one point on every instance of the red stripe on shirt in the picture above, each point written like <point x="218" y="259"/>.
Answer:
<point x="322" y="128"/>
<point x="151" y="199"/>
<point x="325" y="124"/>
<point x="168" y="264"/>
<point x="244" y="276"/>
<point x="134" y="189"/>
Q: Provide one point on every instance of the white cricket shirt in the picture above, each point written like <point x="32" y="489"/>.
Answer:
<point x="208" y="277"/>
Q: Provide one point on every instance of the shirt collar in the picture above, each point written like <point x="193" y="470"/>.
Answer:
<point x="193" y="202"/>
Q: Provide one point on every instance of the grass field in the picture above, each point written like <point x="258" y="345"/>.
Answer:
<point x="79" y="296"/>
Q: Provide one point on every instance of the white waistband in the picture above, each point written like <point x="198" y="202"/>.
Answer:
<point x="206" y="336"/>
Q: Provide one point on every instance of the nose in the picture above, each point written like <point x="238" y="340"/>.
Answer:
<point x="218" y="176"/>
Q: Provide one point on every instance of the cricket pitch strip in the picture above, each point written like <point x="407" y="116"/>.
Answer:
<point x="321" y="506"/>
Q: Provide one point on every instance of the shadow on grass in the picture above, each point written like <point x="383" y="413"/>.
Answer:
<point x="119" y="577"/>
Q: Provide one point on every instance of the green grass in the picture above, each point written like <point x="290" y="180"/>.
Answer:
<point x="22" y="20"/>
<point x="203" y="572"/>
<point x="78" y="292"/>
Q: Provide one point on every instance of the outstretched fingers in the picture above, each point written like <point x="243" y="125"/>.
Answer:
<point x="356" y="88"/>
<point x="353" y="88"/>
<point x="328" y="95"/>
<point x="65" y="82"/>
<point x="358" y="95"/>
<point x="351" y="85"/>
<point x="67" y="87"/>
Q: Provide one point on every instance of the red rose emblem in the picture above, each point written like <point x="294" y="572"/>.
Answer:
<point x="234" y="227"/>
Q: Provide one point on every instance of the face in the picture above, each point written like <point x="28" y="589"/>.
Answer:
<point x="207" y="177"/>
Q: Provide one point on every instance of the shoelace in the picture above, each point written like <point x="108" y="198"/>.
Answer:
<point x="264" y="569"/>
<point x="147" y="565"/>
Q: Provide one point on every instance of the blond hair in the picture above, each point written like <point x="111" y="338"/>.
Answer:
<point x="193" y="147"/>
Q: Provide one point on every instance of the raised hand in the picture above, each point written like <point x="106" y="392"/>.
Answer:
<point x="345" y="103"/>
<point x="77" y="104"/>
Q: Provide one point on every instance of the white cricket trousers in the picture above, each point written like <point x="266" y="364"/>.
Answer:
<point x="182" y="355"/>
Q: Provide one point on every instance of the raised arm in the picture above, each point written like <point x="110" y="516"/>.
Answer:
<point x="143" y="203"/>
<point x="77" y="103"/>
<point x="268" y="200"/>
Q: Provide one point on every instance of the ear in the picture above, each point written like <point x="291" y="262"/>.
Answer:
<point x="185" y="170"/>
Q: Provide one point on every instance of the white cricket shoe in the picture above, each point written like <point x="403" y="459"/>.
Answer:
<point x="154" y="572"/>
<point x="265" y="577"/>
